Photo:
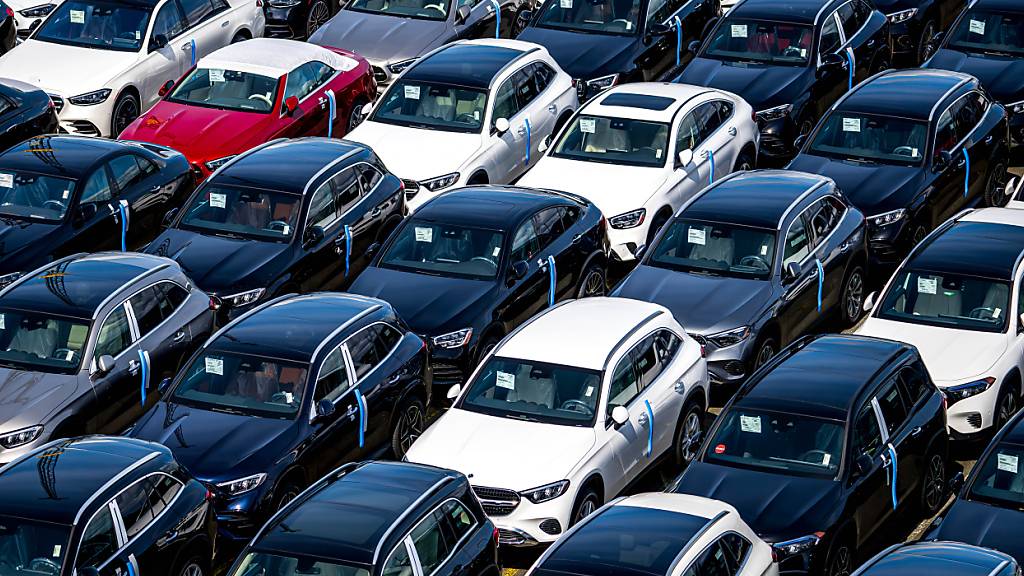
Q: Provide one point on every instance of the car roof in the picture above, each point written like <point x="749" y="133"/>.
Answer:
<point x="370" y="498"/>
<point x="306" y="159"/>
<point x="936" y="559"/>
<point x="650" y="101"/>
<point x="59" y="155"/>
<point x="472" y="64"/>
<point x="954" y="250"/>
<point x="911" y="93"/>
<point x="759" y="198"/>
<point x="492" y="207"/>
<point x="10" y="85"/>
<point x="77" y="286"/>
<point x="273" y="57"/>
<point x="581" y="333"/>
<point x="793" y="11"/>
<point x="1014" y="6"/>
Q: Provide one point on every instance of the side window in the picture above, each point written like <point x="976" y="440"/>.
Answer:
<point x="146" y="307"/>
<point x="798" y="243"/>
<point x="945" y="133"/>
<point x="171" y="297"/>
<point x="823" y="218"/>
<point x="525" y="244"/>
<point x="388" y="337"/>
<point x="364" y="348"/>
<point x="196" y="10"/>
<point x="398" y="563"/>
<point x="725" y="110"/>
<point x="321" y="206"/>
<point x="862" y="11"/>
<point x="848" y="16"/>
<point x="526" y="89"/>
<point x="667" y="344"/>
<point x="624" y="383"/>
<point x="894" y="412"/>
<point x="569" y="217"/>
<point x="505" y="101"/>
<point x="648" y="363"/>
<point x="968" y="115"/>
<point x="99" y="541"/>
<point x="115" y="335"/>
<point x="1020" y="300"/>
<point x="333" y="380"/>
<point x="737" y="548"/>
<point x="369" y="177"/>
<point x="712" y="562"/>
<point x="143" y="501"/>
<point x="548" y="225"/>
<point x="708" y="119"/>
<point x="97" y="188"/>
<point x="127" y="171"/>
<point x="168" y="21"/>
<point x="542" y="75"/>
<point x="830" y="39"/>
<point x="303" y="80"/>
<point x="322" y="72"/>
<point x="867" y="439"/>
<point x="460" y="520"/>
<point x="688" y="136"/>
<point x="346" y="190"/>
<point x="660" y="10"/>
<point x="431" y="547"/>
<point x="915" y="384"/>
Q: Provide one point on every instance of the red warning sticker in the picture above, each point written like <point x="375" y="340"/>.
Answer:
<point x="720" y="449"/>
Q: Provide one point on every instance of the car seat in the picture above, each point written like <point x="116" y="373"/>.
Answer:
<point x="715" y="248"/>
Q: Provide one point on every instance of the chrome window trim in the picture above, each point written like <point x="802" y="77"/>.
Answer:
<point x="133" y="323"/>
<point x="792" y="206"/>
<point x="321" y="172"/>
<point x="693" y="540"/>
<point x="120" y="519"/>
<point x="115" y="518"/>
<point x="409" y="510"/>
<point x="331" y="78"/>
<point x="116" y="478"/>
<point x="973" y="129"/>
<point x="818" y="241"/>
<point x="316" y="352"/>
<point x="935" y="107"/>
<point x="114" y="293"/>
<point x="739" y="569"/>
<point x="455" y="547"/>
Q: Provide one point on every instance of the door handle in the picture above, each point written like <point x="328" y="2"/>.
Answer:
<point x="988" y="140"/>
<point x="394" y="378"/>
<point x="522" y="130"/>
<point x="576" y="238"/>
<point x="845" y="246"/>
<point x="961" y="163"/>
<point x="225" y="23"/>
<point x="871" y="43"/>
<point x="375" y="212"/>
<point x="351" y="413"/>
<point x="186" y="47"/>
<point x="916" y="431"/>
<point x="133" y="367"/>
<point x="732" y="130"/>
<point x="179" y="336"/>
<point x="642" y="419"/>
<point x="553" y="109"/>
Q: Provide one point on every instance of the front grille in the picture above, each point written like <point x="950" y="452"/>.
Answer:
<point x="497" y="501"/>
<point x="379" y="74"/>
<point x="445" y="373"/>
<point x="58" y="102"/>
<point x="974" y="419"/>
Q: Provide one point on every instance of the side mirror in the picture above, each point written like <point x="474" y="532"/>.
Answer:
<point x="365" y="110"/>
<point x="454" y="392"/>
<point x="462" y="14"/>
<point x="619" y="416"/>
<point x="799" y="142"/>
<point x="869" y="302"/>
<point x="159" y="41"/>
<point x="544" y="144"/>
<point x="87" y="211"/>
<point x="791" y="272"/>
<point x="832" y="60"/>
<point x="324" y="408"/>
<point x="104" y="364"/>
<point x="863" y="465"/>
<point x="693" y="47"/>
<point x="523" y="19"/>
<point x="1020" y="324"/>
<point x="169" y="217"/>
<point x="166" y="88"/>
<point x="956" y="483"/>
<point x="501" y="125"/>
<point x="313" y="236"/>
<point x="291" y="104"/>
<point x="684" y="158"/>
<point x="936" y="40"/>
<point x="372" y="249"/>
<point x="659" y="29"/>
<point x="639" y="252"/>
<point x="518" y="270"/>
<point x="163" y="385"/>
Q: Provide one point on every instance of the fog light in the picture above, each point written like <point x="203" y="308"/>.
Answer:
<point x="551" y="526"/>
<point x="735" y="368"/>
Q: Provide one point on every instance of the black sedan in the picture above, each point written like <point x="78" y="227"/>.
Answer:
<point x="914" y="25"/>
<point x="819" y="470"/>
<point x="25" y="111"/>
<point x="473" y="264"/>
<point x="8" y="29"/>
<point x="791" y="65"/>
<point x="900" y="146"/>
<point x="60" y="195"/>
<point x="255" y="230"/>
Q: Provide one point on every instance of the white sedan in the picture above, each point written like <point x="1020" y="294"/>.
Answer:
<point x="470" y="112"/>
<point x="640" y="151"/>
<point x="569" y="409"/>
<point x="104" y="62"/>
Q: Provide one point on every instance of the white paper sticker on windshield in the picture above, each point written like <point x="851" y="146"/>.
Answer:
<point x="69" y="355"/>
<point x="851" y="124"/>
<point x="764" y="250"/>
<point x="567" y="4"/>
<point x="825" y="459"/>
<point x="588" y="125"/>
<point x="77" y="16"/>
<point x="424" y="234"/>
<point x="977" y="27"/>
<point x="497" y="250"/>
<point x="996" y="313"/>
<point x="215" y="366"/>
<point x="412" y="92"/>
<point x="218" y="200"/>
<point x="927" y="285"/>
<point x="750" y="424"/>
<point x="589" y="392"/>
<point x="56" y="550"/>
<point x="696" y="236"/>
<point x="65" y="195"/>
<point x="216" y="75"/>
<point x="7" y="180"/>
<point x="138" y="35"/>
<point x="1007" y="463"/>
<point x="288" y="397"/>
<point x="738" y="30"/>
<point x="506" y="380"/>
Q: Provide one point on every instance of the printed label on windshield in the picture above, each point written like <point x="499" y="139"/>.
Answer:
<point x="567" y="4"/>
<point x="696" y="236"/>
<point x="218" y="200"/>
<point x="505" y="380"/>
<point x="424" y="234"/>
<point x="851" y="124"/>
<point x="215" y="366"/>
<point x="750" y="424"/>
<point x="738" y="30"/>
<point x="56" y="550"/>
<point x="77" y="16"/>
<point x="977" y="27"/>
<point x="412" y="92"/>
<point x="588" y="125"/>
<point x="927" y="285"/>
<point x="7" y="180"/>
<point x="1007" y="463"/>
<point x="216" y="75"/>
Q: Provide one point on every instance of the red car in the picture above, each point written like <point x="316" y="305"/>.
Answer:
<point x="251" y="92"/>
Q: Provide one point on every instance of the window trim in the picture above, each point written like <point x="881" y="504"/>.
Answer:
<point x="606" y="378"/>
<point x="508" y="76"/>
<point x="350" y="366"/>
<point x="327" y="182"/>
<point x="934" y="134"/>
<point x="817" y="241"/>
<point x="115" y="517"/>
<point x="719" y="538"/>
<point x="133" y="325"/>
<point x="284" y="91"/>
<point x="842" y="35"/>
<point x="410" y="546"/>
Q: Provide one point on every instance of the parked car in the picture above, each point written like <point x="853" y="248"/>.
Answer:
<point x="471" y="112"/>
<point x="86" y="339"/>
<point x="62" y="194"/>
<point x="399" y="519"/>
<point x="254" y="231"/>
<point x="27" y="15"/>
<point x="8" y="28"/>
<point x="659" y="534"/>
<point x="898" y="145"/>
<point x="818" y="471"/>
<point x="602" y="43"/>
<point x="957" y="299"/>
<point x="104" y="503"/>
<point x="738" y="266"/>
<point x="473" y="264"/>
<point x="914" y="24"/>
<point x="940" y="559"/>
<point x="25" y="111"/>
<point x="594" y="391"/>
<point x="393" y="35"/>
<point x="106" y="60"/>
<point x="244" y="95"/>
<point x="987" y="41"/>
<point x="641" y="150"/>
<point x="791" y="66"/>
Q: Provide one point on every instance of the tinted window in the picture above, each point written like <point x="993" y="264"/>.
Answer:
<point x="667" y="344"/>
<point x="321" y="206"/>
<point x="196" y="10"/>
<point x="505" y="101"/>
<point x="97" y="188"/>
<point x="168" y="22"/>
<point x="369" y="177"/>
<point x="526" y="88"/>
<point x="143" y="501"/>
<point x="127" y="171"/>
<point x="624" y="386"/>
<point x="115" y="335"/>
<point x="146" y="307"/>
<point x="346" y="189"/>
<point x="708" y="118"/>
<point x="915" y="384"/>
<point x="830" y="39"/>
<point x="389" y="337"/>
<point x="894" y="412"/>
<point x="431" y="547"/>
<point x="736" y="548"/>
<point x="945" y="134"/>
<point x="850" y="18"/>
<point x="824" y="218"/>
<point x="398" y="563"/>
<point x="305" y="79"/>
<point x="525" y="244"/>
<point x="862" y="11"/>
<point x="365" y="349"/>
<point x="688" y="136"/>
<point x="648" y="363"/>
<point x="798" y="243"/>
<point x="867" y="439"/>
<point x="172" y="296"/>
<point x="99" y="541"/>
<point x="712" y="562"/>
<point x="460" y="520"/>
<point x="333" y="380"/>
<point x="549" y="225"/>
<point x="542" y="75"/>
<point x="660" y="10"/>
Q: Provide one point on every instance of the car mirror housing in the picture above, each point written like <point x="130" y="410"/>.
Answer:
<point x="159" y="41"/>
<point x="166" y="88"/>
<point x="324" y="408"/>
<point x="791" y="272"/>
<point x="454" y="392"/>
<point x="684" y="158"/>
<point x="619" y="416"/>
<point x="501" y="125"/>
<point x="291" y="104"/>
<point x="462" y="14"/>
<point x="693" y="47"/>
<point x="169" y="217"/>
<point x="831" y="60"/>
<point x="869" y="302"/>
<point x="313" y="236"/>
<point x="544" y="144"/>
<point x="163" y="385"/>
<point x="799" y="142"/>
<point x="104" y="364"/>
<point x="366" y="109"/>
<point x="87" y="211"/>
<point x="518" y="270"/>
<point x="863" y="465"/>
<point x="659" y="29"/>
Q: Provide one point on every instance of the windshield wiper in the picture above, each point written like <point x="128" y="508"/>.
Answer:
<point x="231" y="235"/>
<point x="226" y="410"/>
<point x="522" y="417"/>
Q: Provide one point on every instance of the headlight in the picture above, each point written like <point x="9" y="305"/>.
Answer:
<point x="1017" y="107"/>
<point x="242" y="485"/>
<point x="796" y="545"/>
<point x="955" y="394"/>
<point x="9" y="278"/>
<point x="90" y="98"/>
<point x="212" y="165"/>
<point x="628" y="220"/>
<point x="886" y="218"/>
<point x="455" y="339"/>
<point x="441" y="182"/>
<point x="243" y="298"/>
<point x="398" y="67"/>
<point x="545" y="492"/>
<point x="901" y="16"/>
<point x="775" y="113"/>
<point x="730" y="337"/>
<point x="37" y="11"/>
<point x="20" y="437"/>
<point x="603" y="83"/>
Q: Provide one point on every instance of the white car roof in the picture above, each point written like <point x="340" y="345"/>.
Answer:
<point x="680" y="93"/>
<point x="504" y="43"/>
<point x="1009" y="216"/>
<point x="273" y="57"/>
<point x="682" y="503"/>
<point x="581" y="333"/>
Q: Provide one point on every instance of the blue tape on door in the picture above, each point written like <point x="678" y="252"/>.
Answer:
<point x="852" y="60"/>
<point x="552" y="280"/>
<point x="711" y="159"/>
<point x="348" y="247"/>
<point x="650" y="428"/>
<point x="678" y="24"/>
<point x="527" y="141"/>
<point x="131" y="568"/>
<point x="497" y="18"/>
<point x="332" y="115"/>
<point x="122" y="208"/>
<point x="894" y="462"/>
<point x="967" y="172"/>
<point x="144" y="360"/>
<point x="821" y="281"/>
<point x="361" y="407"/>
<point x="192" y="43"/>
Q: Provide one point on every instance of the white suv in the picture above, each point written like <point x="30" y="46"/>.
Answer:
<point x="569" y="409"/>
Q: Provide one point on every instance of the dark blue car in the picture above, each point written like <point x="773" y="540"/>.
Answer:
<point x="939" y="559"/>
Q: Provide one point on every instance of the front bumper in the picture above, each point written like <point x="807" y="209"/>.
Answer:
<point x="83" y="120"/>
<point x="971" y="416"/>
<point x="449" y="366"/>
<point x="285" y="21"/>
<point x="905" y="37"/>
<point x="625" y="241"/>
<point x="889" y="245"/>
<point x="727" y="365"/>
<point x="417" y="195"/>
<point x="777" y="137"/>
<point x="520" y="522"/>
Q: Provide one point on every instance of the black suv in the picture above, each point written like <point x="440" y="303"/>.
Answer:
<point x="939" y="559"/>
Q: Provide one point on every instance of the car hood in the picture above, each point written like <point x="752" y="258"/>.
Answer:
<point x="200" y="133"/>
<point x="613" y="188"/>
<point x="583" y="55"/>
<point x="477" y="445"/>
<point x="702" y="304"/>
<point x="415" y="153"/>
<point x="872" y="188"/>
<point x="378" y="38"/>
<point x="1003" y="76"/>
<point x="763" y="86"/>
<point x="950" y="355"/>
<point x="28" y="398"/>
<point x="890" y="6"/>
<point x="776" y="506"/>
<point x="69" y="70"/>
<point x="430" y="305"/>
<point x="220" y="265"/>
<point x="215" y="446"/>
<point x="983" y="525"/>
<point x="23" y="243"/>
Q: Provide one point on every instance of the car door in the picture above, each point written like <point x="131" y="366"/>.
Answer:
<point x="529" y="294"/>
<point x="311" y="113"/>
<point x="799" y="306"/>
<point x="654" y="360"/>
<point x="535" y="119"/>
<point x="917" y="390"/>
<point x="359" y="217"/>
<point x="164" y="62"/>
<point x="948" y="187"/>
<point x="892" y="410"/>
<point x="146" y="204"/>
<point x="832" y="82"/>
<point x="509" y="146"/>
<point x="99" y="541"/>
<point x="659" y="53"/>
<point x="320" y="264"/>
<point x="696" y="173"/>
<point x="146" y="516"/>
<point x="337" y="434"/>
<point x="161" y="341"/>
<point x="824" y="217"/>
<point x="979" y="143"/>
<point x="209" y="24"/>
<point x="467" y="552"/>
<point x="868" y="487"/>
<point x="716" y="138"/>
<point x="550" y="226"/>
<point x="627" y="442"/>
<point x="119" y="389"/>
<point x="545" y="114"/>
<point x="858" y="38"/>
<point x="97" y="221"/>
<point x="365" y="349"/>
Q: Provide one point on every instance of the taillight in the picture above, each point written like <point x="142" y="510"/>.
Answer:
<point x="214" y="303"/>
<point x="10" y="13"/>
<point x="495" y="534"/>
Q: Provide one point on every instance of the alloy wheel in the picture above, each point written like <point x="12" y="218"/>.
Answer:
<point x="593" y="284"/>
<point x="126" y="113"/>
<point x="587" y="507"/>
<point x="1007" y="408"/>
<point x="842" y="563"/>
<point x="925" y="50"/>
<point x="933" y="483"/>
<point x="764" y="354"/>
<point x="854" y="296"/>
<point x="192" y="569"/>
<point x="318" y="14"/>
<point x="410" y="427"/>
<point x="692" y="435"/>
<point x="996" y="187"/>
<point x="289" y="494"/>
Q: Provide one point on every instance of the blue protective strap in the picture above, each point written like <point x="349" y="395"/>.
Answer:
<point x="552" y="280"/>
<point x="853" y="67"/>
<point x="193" y="43"/>
<point x="348" y="247"/>
<point x="332" y="106"/>
<point x="967" y="171"/>
<point x="131" y="568"/>
<point x="144" y="359"/>
<point x="650" y="428"/>
<point x="679" y="39"/>
<point x="361" y="407"/>
<point x="122" y="207"/>
<point x="527" y="141"/>
<point x="894" y="463"/>
<point x="497" y="18"/>
<point x="821" y="281"/>
<point x="711" y="158"/>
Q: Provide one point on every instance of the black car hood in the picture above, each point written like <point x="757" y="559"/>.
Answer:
<point x="380" y="38"/>
<point x="584" y="55"/>
<point x="703" y="304"/>
<point x="763" y="86"/>
<point x="1001" y="75"/>
<point x="872" y="188"/>
<point x="430" y="305"/>
<point x="983" y="525"/>
<point x="24" y="245"/>
<point x="776" y="506"/>
<point x="890" y="6"/>
<point x="221" y="265"/>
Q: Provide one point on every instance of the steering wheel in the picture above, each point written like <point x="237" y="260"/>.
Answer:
<point x="983" y="313"/>
<point x="54" y="205"/>
<point x="262" y="97"/>
<point x="575" y="405"/>
<point x="44" y="565"/>
<point x="806" y="456"/>
<point x="792" y="52"/>
<point x="625" y="23"/>
<point x="465" y="118"/>
<point x="277" y="225"/>
<point x="279" y="398"/>
<point x="484" y="259"/>
<point x="437" y="7"/>
<point x="754" y="261"/>
<point x="63" y="354"/>
<point x="904" y="151"/>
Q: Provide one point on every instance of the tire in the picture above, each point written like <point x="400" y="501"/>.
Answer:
<point x="239" y="38"/>
<point x="839" y="560"/>
<point x="411" y="421"/>
<point x="593" y="282"/>
<point x="319" y="13"/>
<point x="285" y="494"/>
<point x="657" y="224"/>
<point x="919" y="235"/>
<point x="485" y="348"/>
<point x="880" y="65"/>
<point x="994" y="187"/>
<point x="924" y="47"/>
<point x="126" y="110"/>
<point x="852" y="298"/>
<point x="932" y="494"/>
<point x="1007" y="404"/>
<point x="587" y="501"/>
<point x="765" y="349"/>
<point x="191" y="564"/>
<point x="355" y="116"/>
<point x="745" y="161"/>
<point x="689" y="433"/>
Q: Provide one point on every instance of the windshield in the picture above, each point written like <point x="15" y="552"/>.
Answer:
<point x="947" y="300"/>
<point x="986" y="32"/>
<point x="96" y="24"/>
<point x="601" y="16"/>
<point x="1000" y="479"/>
<point x="32" y="548"/>
<point x="614" y="141"/>
<point x="852" y="136"/>
<point x="761" y="42"/>
<point x="446" y="250"/>
<point x="236" y="383"/>
<point x="227" y="90"/>
<point x="27" y="195"/>
<point x="717" y="249"/>
<point x="535" y="392"/>
<point x="433" y="107"/>
<point x="775" y="441"/>
<point x="425" y="9"/>
<point x="261" y="564"/>
<point x="40" y="342"/>
<point x="243" y="213"/>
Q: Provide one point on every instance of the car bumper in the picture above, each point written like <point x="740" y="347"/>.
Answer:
<point x="777" y="137"/>
<point x="889" y="245"/>
<point x="904" y="38"/>
<point x="83" y="120"/>
<point x="973" y="415"/>
<point x="726" y="365"/>
<point x="624" y="242"/>
<point x="449" y="366"/>
<point x="522" y="523"/>
<point x="285" y="22"/>
<point x="416" y="195"/>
